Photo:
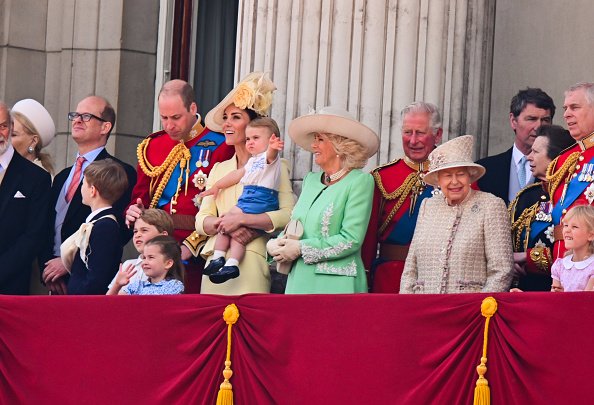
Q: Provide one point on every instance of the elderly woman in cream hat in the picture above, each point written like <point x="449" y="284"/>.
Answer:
<point x="251" y="98"/>
<point x="462" y="242"/>
<point x="333" y="208"/>
<point x="34" y="129"/>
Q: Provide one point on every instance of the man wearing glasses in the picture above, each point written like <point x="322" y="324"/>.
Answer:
<point x="91" y="125"/>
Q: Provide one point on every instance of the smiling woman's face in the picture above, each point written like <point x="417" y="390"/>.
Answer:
<point x="234" y="122"/>
<point x="454" y="184"/>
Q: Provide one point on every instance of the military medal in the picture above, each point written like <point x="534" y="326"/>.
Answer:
<point x="199" y="180"/>
<point x="544" y="212"/>
<point x="582" y="175"/>
<point x="589" y="193"/>
<point x="205" y="163"/>
<point x="199" y="162"/>
<point x="588" y="176"/>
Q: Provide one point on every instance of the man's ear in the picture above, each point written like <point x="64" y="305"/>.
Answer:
<point x="513" y="121"/>
<point x="105" y="128"/>
<point x="438" y="136"/>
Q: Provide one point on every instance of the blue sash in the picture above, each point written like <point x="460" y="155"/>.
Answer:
<point x="403" y="231"/>
<point x="574" y="189"/>
<point x="210" y="141"/>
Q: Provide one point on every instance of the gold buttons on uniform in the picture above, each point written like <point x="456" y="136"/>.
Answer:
<point x="581" y="158"/>
<point x="564" y="211"/>
<point x="577" y="167"/>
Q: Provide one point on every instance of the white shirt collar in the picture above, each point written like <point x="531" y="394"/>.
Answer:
<point x="6" y="157"/>
<point x="516" y="154"/>
<point x="568" y="263"/>
<point x="94" y="213"/>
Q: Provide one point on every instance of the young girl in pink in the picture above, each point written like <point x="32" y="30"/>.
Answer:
<point x="575" y="271"/>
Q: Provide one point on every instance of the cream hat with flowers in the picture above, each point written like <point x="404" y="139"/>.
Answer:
<point x="39" y="117"/>
<point x="456" y="152"/>
<point x="254" y="92"/>
<point x="332" y="120"/>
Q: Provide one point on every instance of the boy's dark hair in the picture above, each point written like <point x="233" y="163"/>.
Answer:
<point x="108" y="177"/>
<point x="159" y="219"/>
<point x="265" y="122"/>
<point x="171" y="250"/>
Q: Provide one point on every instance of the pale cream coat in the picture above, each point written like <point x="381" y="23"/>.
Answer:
<point x="456" y="249"/>
<point x="254" y="273"/>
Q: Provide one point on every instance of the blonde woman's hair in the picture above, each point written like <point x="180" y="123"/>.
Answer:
<point x="584" y="213"/>
<point x="29" y="128"/>
<point x="351" y="153"/>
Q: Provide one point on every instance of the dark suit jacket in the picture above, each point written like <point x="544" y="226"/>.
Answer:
<point x="24" y="198"/>
<point x="103" y="258"/>
<point x="78" y="212"/>
<point x="496" y="179"/>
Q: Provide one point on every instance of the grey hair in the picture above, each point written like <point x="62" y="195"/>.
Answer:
<point x="588" y="88"/>
<point x="426" y="108"/>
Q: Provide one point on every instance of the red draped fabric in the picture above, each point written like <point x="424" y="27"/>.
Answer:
<point x="356" y="349"/>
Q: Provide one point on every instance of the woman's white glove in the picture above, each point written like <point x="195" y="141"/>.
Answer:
<point x="272" y="246"/>
<point x="288" y="250"/>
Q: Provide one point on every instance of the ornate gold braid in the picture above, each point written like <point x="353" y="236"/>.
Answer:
<point x="564" y="173"/>
<point x="179" y="153"/>
<point x="400" y="193"/>
<point x="523" y="222"/>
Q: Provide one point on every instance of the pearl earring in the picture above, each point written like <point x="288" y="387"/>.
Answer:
<point x="30" y="149"/>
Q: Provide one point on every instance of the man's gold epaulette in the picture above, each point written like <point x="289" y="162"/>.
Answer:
<point x="512" y="206"/>
<point x="393" y="162"/>
<point x="156" y="134"/>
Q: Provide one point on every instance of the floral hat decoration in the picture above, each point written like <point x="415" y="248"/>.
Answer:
<point x="253" y="92"/>
<point x="456" y="152"/>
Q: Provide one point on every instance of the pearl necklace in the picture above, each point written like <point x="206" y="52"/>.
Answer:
<point x="330" y="178"/>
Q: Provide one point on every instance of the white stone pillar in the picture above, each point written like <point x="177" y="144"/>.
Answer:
<point x="372" y="57"/>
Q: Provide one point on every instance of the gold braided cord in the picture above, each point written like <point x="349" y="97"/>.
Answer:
<point x="564" y="173"/>
<point x="482" y="393"/>
<point x="225" y="395"/>
<point x="412" y="180"/>
<point x="523" y="222"/>
<point x="178" y="154"/>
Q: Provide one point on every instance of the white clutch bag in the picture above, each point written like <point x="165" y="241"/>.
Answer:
<point x="293" y="230"/>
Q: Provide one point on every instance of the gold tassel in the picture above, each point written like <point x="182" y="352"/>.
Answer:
<point x="225" y="396"/>
<point x="482" y="393"/>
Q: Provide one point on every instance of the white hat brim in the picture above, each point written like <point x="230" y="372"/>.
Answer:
<point x="39" y="117"/>
<point x="302" y="130"/>
<point x="476" y="172"/>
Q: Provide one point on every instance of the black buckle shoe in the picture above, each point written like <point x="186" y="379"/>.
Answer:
<point x="214" y="266"/>
<point x="226" y="273"/>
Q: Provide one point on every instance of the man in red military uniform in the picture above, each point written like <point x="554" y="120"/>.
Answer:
<point x="399" y="190"/>
<point x="571" y="175"/>
<point x="173" y="165"/>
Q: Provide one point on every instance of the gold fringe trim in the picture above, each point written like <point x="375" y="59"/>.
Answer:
<point x="225" y="395"/>
<point x="482" y="393"/>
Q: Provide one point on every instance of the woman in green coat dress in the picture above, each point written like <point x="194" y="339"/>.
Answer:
<point x="334" y="206"/>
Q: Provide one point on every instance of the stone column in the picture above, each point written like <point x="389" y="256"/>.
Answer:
<point x="373" y="58"/>
<point x="60" y="51"/>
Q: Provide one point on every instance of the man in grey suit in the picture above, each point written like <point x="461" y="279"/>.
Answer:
<point x="24" y="197"/>
<point x="509" y="172"/>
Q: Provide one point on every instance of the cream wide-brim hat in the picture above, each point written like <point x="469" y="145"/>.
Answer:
<point x="39" y="117"/>
<point x="332" y="120"/>
<point x="253" y="92"/>
<point x="456" y="152"/>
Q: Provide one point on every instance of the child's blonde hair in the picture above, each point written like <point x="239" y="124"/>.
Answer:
<point x="583" y="213"/>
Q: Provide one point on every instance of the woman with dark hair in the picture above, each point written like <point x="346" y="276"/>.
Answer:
<point x="251" y="98"/>
<point x="530" y="212"/>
